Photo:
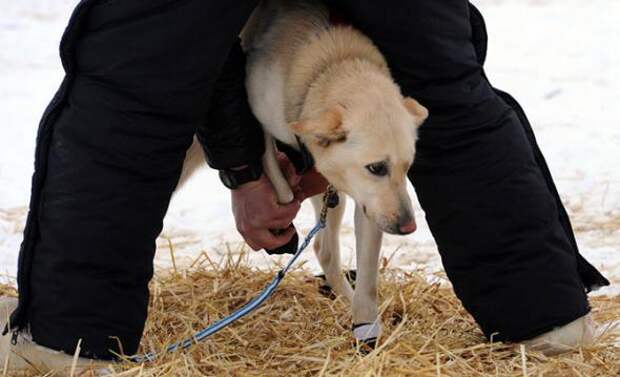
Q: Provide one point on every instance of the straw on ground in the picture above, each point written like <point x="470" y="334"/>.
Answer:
<point x="299" y="332"/>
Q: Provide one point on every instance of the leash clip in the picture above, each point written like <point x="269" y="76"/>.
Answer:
<point x="330" y="200"/>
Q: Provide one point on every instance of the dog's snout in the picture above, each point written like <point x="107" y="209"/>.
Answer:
<point x="406" y="223"/>
<point x="408" y="228"/>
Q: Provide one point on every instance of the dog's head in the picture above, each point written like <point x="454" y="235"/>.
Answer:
<point x="365" y="148"/>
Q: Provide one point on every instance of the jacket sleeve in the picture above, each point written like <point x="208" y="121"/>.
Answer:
<point x="231" y="135"/>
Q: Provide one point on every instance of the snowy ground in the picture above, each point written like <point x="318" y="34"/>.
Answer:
<point x="559" y="58"/>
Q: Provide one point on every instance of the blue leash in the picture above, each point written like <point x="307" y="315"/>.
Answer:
<point x="256" y="302"/>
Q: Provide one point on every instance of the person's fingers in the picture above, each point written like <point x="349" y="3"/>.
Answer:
<point x="285" y="212"/>
<point x="284" y="237"/>
<point x="256" y="210"/>
<point x="278" y="224"/>
<point x="252" y="245"/>
<point x="276" y="216"/>
<point x="245" y="231"/>
<point x="267" y="240"/>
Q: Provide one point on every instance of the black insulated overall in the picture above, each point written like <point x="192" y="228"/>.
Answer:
<point x="143" y="76"/>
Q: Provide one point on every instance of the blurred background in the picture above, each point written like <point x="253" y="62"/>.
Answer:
<point x="559" y="58"/>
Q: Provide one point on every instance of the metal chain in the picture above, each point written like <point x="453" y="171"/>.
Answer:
<point x="330" y="200"/>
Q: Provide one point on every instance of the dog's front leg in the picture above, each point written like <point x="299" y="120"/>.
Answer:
<point x="366" y="325"/>
<point x="274" y="173"/>
<point x="327" y="247"/>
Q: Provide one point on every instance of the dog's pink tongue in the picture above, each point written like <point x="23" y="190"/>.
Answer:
<point x="408" y="228"/>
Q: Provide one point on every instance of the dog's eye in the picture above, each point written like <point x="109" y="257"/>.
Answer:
<point x="379" y="169"/>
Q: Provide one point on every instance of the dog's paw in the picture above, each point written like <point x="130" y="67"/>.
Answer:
<point x="366" y="335"/>
<point x="366" y="346"/>
<point x="326" y="290"/>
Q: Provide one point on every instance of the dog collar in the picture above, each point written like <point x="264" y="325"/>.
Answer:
<point x="301" y="159"/>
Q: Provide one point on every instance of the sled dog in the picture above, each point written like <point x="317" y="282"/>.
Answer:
<point x="329" y="88"/>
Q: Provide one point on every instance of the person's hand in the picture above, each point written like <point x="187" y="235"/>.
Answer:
<point x="303" y="186"/>
<point x="256" y="210"/>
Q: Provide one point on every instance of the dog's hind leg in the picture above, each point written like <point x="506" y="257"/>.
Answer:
<point x="327" y="248"/>
<point x="194" y="159"/>
<point x="366" y="324"/>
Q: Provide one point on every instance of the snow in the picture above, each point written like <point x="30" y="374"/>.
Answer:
<point x="559" y="58"/>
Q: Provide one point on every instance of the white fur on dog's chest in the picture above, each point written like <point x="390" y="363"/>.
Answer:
<point x="265" y="85"/>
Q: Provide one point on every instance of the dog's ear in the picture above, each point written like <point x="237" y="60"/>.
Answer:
<point x="324" y="129"/>
<point x="419" y="112"/>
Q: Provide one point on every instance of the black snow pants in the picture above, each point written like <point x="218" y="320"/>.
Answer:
<point x="140" y="76"/>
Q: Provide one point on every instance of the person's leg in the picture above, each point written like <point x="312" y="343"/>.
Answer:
<point x="479" y="176"/>
<point x="110" y="151"/>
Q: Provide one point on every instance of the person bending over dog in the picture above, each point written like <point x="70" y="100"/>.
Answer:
<point x="143" y="77"/>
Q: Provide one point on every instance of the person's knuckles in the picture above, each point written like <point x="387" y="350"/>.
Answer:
<point x="280" y="224"/>
<point x="253" y="246"/>
<point x="282" y="219"/>
<point x="289" y="211"/>
<point x="289" y="233"/>
<point x="241" y="230"/>
<point x="244" y="227"/>
<point x="252" y="223"/>
<point x="271" y="244"/>
<point x="285" y="237"/>
<point x="262" y="223"/>
<point x="255" y="242"/>
<point x="262" y="212"/>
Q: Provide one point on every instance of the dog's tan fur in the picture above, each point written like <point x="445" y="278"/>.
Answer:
<point x="330" y="86"/>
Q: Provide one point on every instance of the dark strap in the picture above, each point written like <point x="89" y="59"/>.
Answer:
<point x="337" y="19"/>
<point x="301" y="159"/>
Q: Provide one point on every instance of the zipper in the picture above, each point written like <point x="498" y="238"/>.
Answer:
<point x="14" y="336"/>
<point x="18" y="317"/>
<point x="26" y="253"/>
